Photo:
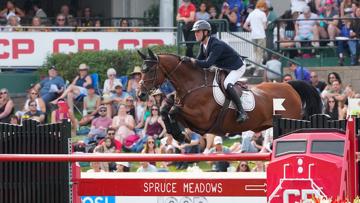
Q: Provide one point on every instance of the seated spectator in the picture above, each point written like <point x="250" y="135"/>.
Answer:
<point x="213" y="13"/>
<point x="252" y="142"/>
<point x="168" y="143"/>
<point x="13" y="25"/>
<point x="6" y="106"/>
<point x="122" y="167"/>
<point x="108" y="146"/>
<point x="335" y="91"/>
<point x="86" y="20"/>
<point x="328" y="29"/>
<point x="39" y="12"/>
<point x="146" y="167"/>
<point x="189" y="148"/>
<point x="65" y="11"/>
<point x="158" y="96"/>
<point x="95" y="168"/>
<point x="298" y="6"/>
<point x="301" y="73"/>
<point x="330" y="78"/>
<point x="64" y="113"/>
<point x="33" y="113"/>
<point x="332" y="108"/>
<point x="130" y="106"/>
<point x="219" y="148"/>
<point x="123" y="123"/>
<point x="287" y="78"/>
<point x="91" y="104"/>
<point x="150" y="148"/>
<point x="50" y="87"/>
<point x="60" y="24"/>
<point x="259" y="167"/>
<point x="33" y="95"/>
<point x="230" y="16"/>
<point x="140" y="109"/>
<point x="36" y="22"/>
<point x="154" y="125"/>
<point x="134" y="81"/>
<point x="243" y="167"/>
<point x="111" y="82"/>
<point x="99" y="125"/>
<point x="202" y="14"/>
<point x="286" y="35"/>
<point x="77" y="87"/>
<point x="349" y="33"/>
<point x="110" y="133"/>
<point x="113" y="102"/>
<point x="345" y="8"/>
<point x="315" y="82"/>
<point x="275" y="65"/>
<point x="306" y="29"/>
<point x="11" y="10"/>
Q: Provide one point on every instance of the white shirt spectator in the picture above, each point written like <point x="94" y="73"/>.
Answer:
<point x="202" y="16"/>
<point x="298" y="5"/>
<point x="306" y="26"/>
<point x="108" y="88"/>
<point x="257" y="20"/>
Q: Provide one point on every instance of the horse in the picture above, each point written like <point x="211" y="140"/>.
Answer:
<point x="197" y="108"/>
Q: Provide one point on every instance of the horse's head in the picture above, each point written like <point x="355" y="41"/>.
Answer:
<point x="152" y="76"/>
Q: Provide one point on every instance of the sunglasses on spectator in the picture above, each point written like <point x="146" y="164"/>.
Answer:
<point x="33" y="93"/>
<point x="32" y="105"/>
<point x="111" y="133"/>
<point x="102" y="110"/>
<point x="331" y="101"/>
<point x="3" y="92"/>
<point x="242" y="165"/>
<point x="154" y="109"/>
<point x="150" y="142"/>
<point x="61" y="19"/>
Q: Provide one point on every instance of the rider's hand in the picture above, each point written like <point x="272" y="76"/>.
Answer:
<point x="186" y="59"/>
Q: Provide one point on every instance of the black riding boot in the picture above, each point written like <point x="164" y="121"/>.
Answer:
<point x="177" y="133"/>
<point x="242" y="116"/>
<point x="164" y="113"/>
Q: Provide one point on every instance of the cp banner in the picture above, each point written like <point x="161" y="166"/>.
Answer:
<point x="28" y="49"/>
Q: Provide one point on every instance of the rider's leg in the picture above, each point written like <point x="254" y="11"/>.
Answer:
<point x="229" y="82"/>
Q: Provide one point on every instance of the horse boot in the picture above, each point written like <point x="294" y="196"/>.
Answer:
<point x="177" y="134"/>
<point x="242" y="116"/>
<point x="164" y="112"/>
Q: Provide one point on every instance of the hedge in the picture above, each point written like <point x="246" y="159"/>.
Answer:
<point x="122" y="61"/>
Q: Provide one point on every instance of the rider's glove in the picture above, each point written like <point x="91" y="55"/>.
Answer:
<point x="186" y="59"/>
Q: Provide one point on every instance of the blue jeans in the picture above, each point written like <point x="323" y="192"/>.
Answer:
<point x="351" y="44"/>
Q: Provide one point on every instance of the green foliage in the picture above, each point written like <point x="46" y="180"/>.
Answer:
<point x="152" y="15"/>
<point x="122" y="61"/>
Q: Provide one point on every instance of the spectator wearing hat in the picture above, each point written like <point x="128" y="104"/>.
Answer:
<point x="133" y="84"/>
<point x="78" y="86"/>
<point x="122" y="167"/>
<point x="219" y="166"/>
<point x="111" y="82"/>
<point x="99" y="125"/>
<point x="90" y="105"/>
<point x="50" y="87"/>
<point x="158" y="96"/>
<point x="115" y="100"/>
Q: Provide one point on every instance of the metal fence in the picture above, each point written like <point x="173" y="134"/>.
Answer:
<point x="34" y="181"/>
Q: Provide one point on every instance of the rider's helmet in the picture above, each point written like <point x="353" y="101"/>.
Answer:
<point x="201" y="25"/>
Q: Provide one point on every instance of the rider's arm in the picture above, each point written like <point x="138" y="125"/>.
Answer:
<point x="213" y="56"/>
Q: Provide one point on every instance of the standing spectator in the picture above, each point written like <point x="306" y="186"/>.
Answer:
<point x="32" y="96"/>
<point x="328" y="29"/>
<point x="213" y="13"/>
<point x="243" y="167"/>
<point x="134" y="82"/>
<point x="91" y="104"/>
<point x="6" y="106"/>
<point x="11" y="10"/>
<point x="230" y="16"/>
<point x="301" y="73"/>
<point x="219" y="166"/>
<point x="307" y="29"/>
<point x="123" y="123"/>
<point x="34" y="113"/>
<point x="256" y="23"/>
<point x="154" y="125"/>
<point x="99" y="125"/>
<point x="51" y="86"/>
<point x="111" y="82"/>
<point x="202" y="14"/>
<point x="186" y="13"/>
<point x="39" y="12"/>
<point x="315" y="82"/>
<point x="275" y="65"/>
<point x="347" y="32"/>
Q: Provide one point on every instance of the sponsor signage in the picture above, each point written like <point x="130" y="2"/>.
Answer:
<point x="28" y="49"/>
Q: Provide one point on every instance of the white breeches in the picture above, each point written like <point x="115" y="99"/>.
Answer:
<point x="234" y="76"/>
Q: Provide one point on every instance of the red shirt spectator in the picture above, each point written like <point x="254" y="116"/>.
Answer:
<point x="118" y="145"/>
<point x="186" y="9"/>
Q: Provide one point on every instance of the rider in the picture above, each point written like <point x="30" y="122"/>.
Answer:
<point x="216" y="52"/>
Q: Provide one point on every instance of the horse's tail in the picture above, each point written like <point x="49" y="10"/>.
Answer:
<point x="310" y="98"/>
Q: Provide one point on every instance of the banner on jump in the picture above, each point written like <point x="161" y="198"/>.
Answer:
<point x="29" y="49"/>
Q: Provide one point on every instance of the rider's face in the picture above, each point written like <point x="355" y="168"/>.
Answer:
<point x="198" y="35"/>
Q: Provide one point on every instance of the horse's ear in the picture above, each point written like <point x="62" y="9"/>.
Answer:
<point x="141" y="54"/>
<point x="151" y="54"/>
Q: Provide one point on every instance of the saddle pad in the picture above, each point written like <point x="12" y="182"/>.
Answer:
<point x="247" y="98"/>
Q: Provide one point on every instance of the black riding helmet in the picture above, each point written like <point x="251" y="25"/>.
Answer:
<point x="202" y="25"/>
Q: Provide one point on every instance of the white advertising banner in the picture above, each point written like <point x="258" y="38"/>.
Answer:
<point x="27" y="49"/>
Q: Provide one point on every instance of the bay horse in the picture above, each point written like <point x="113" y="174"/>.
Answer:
<point x="198" y="109"/>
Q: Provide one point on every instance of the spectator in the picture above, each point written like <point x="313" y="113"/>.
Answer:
<point x="315" y="82"/>
<point x="301" y="73"/>
<point x="238" y="7"/>
<point x="124" y="24"/>
<point x="286" y="34"/>
<point x="77" y="87"/>
<point x="158" y="96"/>
<point x="34" y="113"/>
<point x="108" y="146"/>
<point x="60" y="24"/>
<point x="189" y="148"/>
<point x="256" y="23"/>
<point x="259" y="167"/>
<point x="307" y="29"/>
<point x="133" y="84"/>
<point x="13" y="25"/>
<point x="154" y="125"/>
<point x="146" y="167"/>
<point x="328" y="29"/>
<point x="287" y="78"/>
<point x="331" y="77"/>
<point x="130" y="106"/>
<point x="349" y="34"/>
<point x="36" y="22"/>
<point x="86" y="20"/>
<point x="202" y="14"/>
<point x="14" y="120"/>
<point x="345" y="8"/>
<point x="168" y="144"/>
<point x="150" y="148"/>
<point x="274" y="65"/>
<point x="6" y="106"/>
<point x="65" y="12"/>
<point x="122" y="167"/>
<point x="124" y="124"/>
<point x="297" y="7"/>
<point x="186" y="14"/>
<point x="114" y="102"/>
<point x="252" y="142"/>
<point x="213" y="13"/>
<point x="219" y="166"/>
<point x="91" y="104"/>
<point x="51" y="86"/>
<point x="11" y="10"/>
<point x="332" y="108"/>
<point x="140" y="109"/>
<point x="111" y="82"/>
<point x="335" y="91"/>
<point x="243" y="167"/>
<point x="99" y="125"/>
<point x="110" y="133"/>
<point x="95" y="167"/>
<point x="63" y="112"/>
<point x="39" y="12"/>
<point x="33" y="95"/>
<point x="230" y="16"/>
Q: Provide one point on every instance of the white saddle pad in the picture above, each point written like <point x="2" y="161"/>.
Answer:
<point x="247" y="98"/>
